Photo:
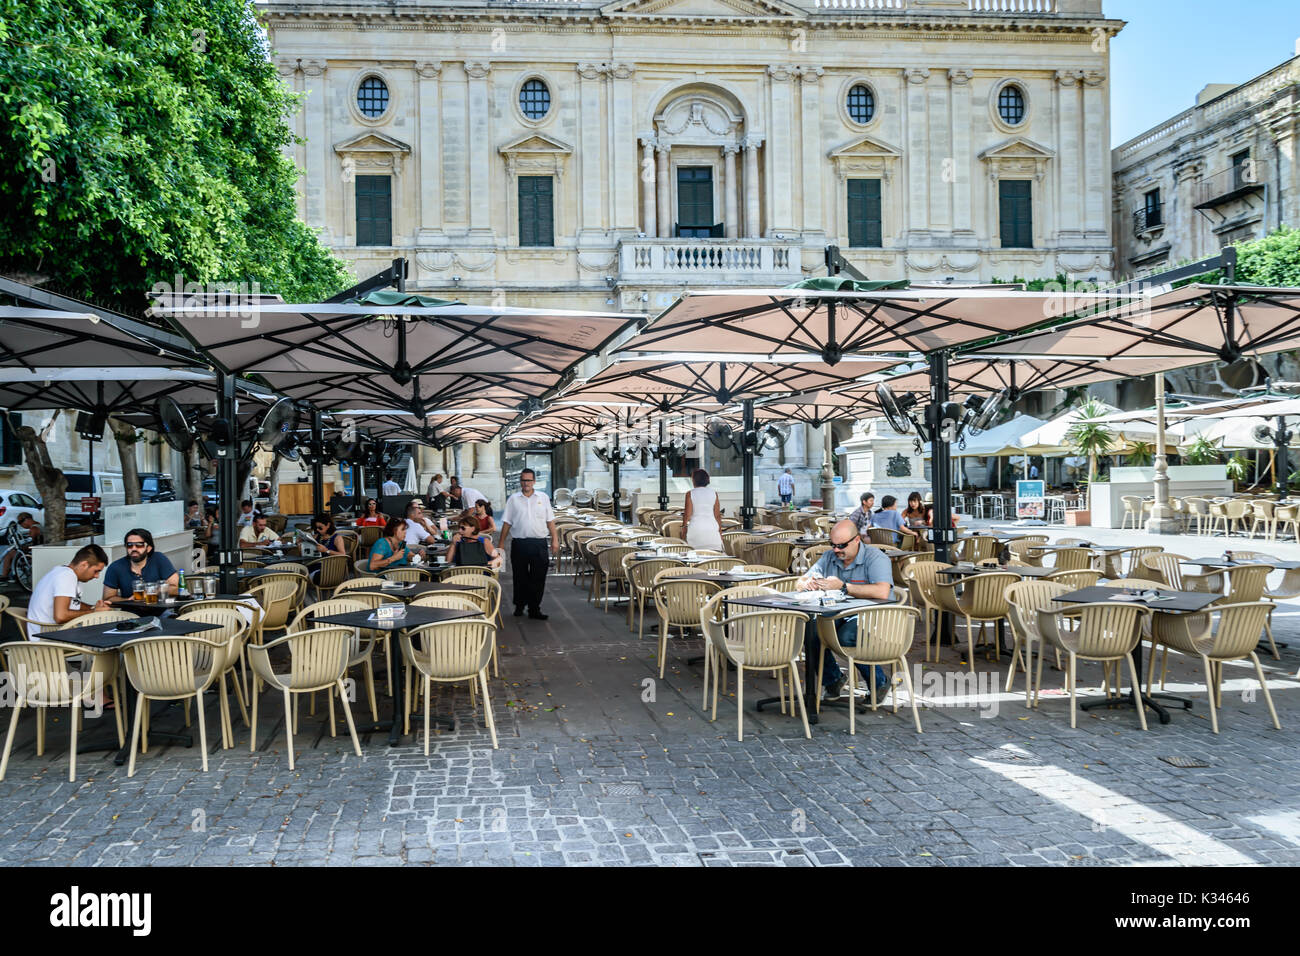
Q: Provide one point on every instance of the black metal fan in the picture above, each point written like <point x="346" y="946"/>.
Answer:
<point x="994" y="406"/>
<point x="277" y="431"/>
<point x="176" y="428"/>
<point x="897" y="408"/>
<point x="773" y="437"/>
<point x="720" y="433"/>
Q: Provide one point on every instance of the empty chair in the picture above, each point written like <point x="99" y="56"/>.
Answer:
<point x="776" y="554"/>
<point x="1106" y="632"/>
<point x="982" y="600"/>
<point x="171" y="668"/>
<point x="1262" y="518"/>
<point x="678" y="603"/>
<point x="1024" y="600"/>
<point x="978" y="547"/>
<point x="360" y="646"/>
<point x="1132" y="511"/>
<point x="1075" y="580"/>
<point x="1072" y="559"/>
<point x="451" y="652"/>
<point x="1167" y="566"/>
<point x="329" y="572"/>
<point x="759" y="641"/>
<point x="407" y="575"/>
<point x="921" y="578"/>
<point x="1226" y="632"/>
<point x="232" y="634"/>
<point x="318" y="660"/>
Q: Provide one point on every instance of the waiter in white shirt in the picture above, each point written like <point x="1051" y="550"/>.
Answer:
<point x="391" y="487"/>
<point x="529" y="516"/>
<point x="469" y="497"/>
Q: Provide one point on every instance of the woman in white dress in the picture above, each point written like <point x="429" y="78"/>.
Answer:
<point x="702" y="527"/>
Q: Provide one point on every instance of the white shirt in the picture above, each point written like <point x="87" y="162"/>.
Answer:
<point x="250" y="536"/>
<point x="528" y="516"/>
<point x="415" y="533"/>
<point x="245" y="519"/>
<point x="785" y="484"/>
<point x="469" y="497"/>
<point x="58" y="582"/>
<point x="435" y="488"/>
<point x="392" y="488"/>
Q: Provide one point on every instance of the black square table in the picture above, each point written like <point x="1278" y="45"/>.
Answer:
<point x="96" y="638"/>
<point x="966" y="570"/>
<point x="411" y="590"/>
<point x="825" y="616"/>
<point x="414" y="617"/>
<point x="1164" y="602"/>
<point x="1219" y="562"/>
<point x="730" y="577"/>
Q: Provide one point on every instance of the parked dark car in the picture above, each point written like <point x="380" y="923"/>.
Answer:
<point x="156" y="486"/>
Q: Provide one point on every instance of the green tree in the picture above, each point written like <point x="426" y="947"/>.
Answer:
<point x="142" y="139"/>
<point x="1141" y="454"/>
<point x="1090" y="437"/>
<point x="1202" y="451"/>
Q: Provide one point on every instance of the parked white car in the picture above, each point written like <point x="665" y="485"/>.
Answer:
<point x="14" y="503"/>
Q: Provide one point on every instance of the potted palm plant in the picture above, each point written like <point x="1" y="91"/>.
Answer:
<point x="1088" y="436"/>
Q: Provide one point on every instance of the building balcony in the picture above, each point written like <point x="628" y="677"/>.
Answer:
<point x="1148" y="219"/>
<point x="709" y="261"/>
<point x="1235" y="182"/>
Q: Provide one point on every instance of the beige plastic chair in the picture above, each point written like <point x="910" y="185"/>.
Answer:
<point x="1132" y="511"/>
<point x="318" y="660"/>
<point x="451" y="652"/>
<point x="609" y="564"/>
<point x="1263" y="519"/>
<point x="921" y="578"/>
<point x="759" y="641"/>
<point x="720" y="564"/>
<point x="1235" y="638"/>
<point x="488" y="592"/>
<point x="367" y="536"/>
<point x="1167" y="567"/>
<point x="982" y="600"/>
<point x="278" y="602"/>
<point x="678" y="604"/>
<point x="21" y="618"/>
<point x="1107" y="632"/>
<point x="1287" y="517"/>
<point x="671" y="528"/>
<point x="885" y="636"/>
<point x="44" y="674"/>
<point x="331" y="571"/>
<point x="977" y="548"/>
<point x="775" y="554"/>
<point x="1198" y="514"/>
<point x="805" y="558"/>
<point x="641" y="576"/>
<point x="711" y="621"/>
<point x="407" y="575"/>
<point x="361" y="644"/>
<point x="1076" y="580"/>
<point x="233" y="635"/>
<point x="171" y="668"/>
<point x="1027" y="552"/>
<point x="1024" y="600"/>
<point x="1072" y="559"/>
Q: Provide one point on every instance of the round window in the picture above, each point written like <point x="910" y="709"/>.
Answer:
<point x="1011" y="105"/>
<point x="372" y="97"/>
<point x="534" y="99"/>
<point x="861" y="104"/>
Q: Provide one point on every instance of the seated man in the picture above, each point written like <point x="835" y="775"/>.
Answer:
<point x="258" y="535"/>
<point x="142" y="562"/>
<point x="861" y="572"/>
<point x="418" y="533"/>
<point x="56" y="598"/>
<point x="861" y="515"/>
<point x="27" y="528"/>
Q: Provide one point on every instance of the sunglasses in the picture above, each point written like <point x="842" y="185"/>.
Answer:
<point x="841" y="547"/>
<point x="136" y="544"/>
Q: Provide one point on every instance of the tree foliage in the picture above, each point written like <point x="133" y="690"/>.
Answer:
<point x="145" y="138"/>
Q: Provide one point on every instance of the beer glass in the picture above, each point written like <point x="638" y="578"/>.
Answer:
<point x="151" y="593"/>
<point x="137" y="590"/>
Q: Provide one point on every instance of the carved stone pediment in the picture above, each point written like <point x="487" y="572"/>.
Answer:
<point x="372" y="142"/>
<point x="1017" y="157"/>
<point x="866" y="156"/>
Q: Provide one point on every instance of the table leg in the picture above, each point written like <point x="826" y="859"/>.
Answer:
<point x="1147" y="699"/>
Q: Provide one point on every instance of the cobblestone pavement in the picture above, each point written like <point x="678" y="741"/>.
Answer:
<point x="602" y="763"/>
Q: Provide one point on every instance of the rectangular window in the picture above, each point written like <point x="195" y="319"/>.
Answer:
<point x="1243" y="173"/>
<point x="695" y="202"/>
<point x="11" y="450"/>
<point x="374" y="210"/>
<point x="536" y="211"/>
<point x="1016" y="213"/>
<point x="1151" y="207"/>
<point x="864" y="213"/>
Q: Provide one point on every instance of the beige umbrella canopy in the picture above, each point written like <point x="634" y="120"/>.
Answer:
<point x="816" y="408"/>
<point x="981" y="376"/>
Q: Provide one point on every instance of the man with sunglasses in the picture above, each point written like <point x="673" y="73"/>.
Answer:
<point x="141" y="562"/>
<point x="860" y="571"/>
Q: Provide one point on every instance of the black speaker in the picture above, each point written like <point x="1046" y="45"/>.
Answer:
<point x="91" y="426"/>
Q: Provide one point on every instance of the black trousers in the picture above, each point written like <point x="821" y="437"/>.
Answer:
<point x="530" y="560"/>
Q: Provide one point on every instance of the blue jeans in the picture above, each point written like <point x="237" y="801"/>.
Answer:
<point x="847" y="631"/>
<point x="786" y="499"/>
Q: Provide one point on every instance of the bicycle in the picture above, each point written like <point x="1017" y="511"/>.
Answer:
<point x="20" y="566"/>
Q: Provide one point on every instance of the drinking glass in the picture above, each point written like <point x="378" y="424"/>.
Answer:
<point x="137" y="590"/>
<point x="151" y="593"/>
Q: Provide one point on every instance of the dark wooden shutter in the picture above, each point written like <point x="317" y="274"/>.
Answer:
<point x="536" y="217"/>
<point x="695" y="201"/>
<point x="374" y="211"/>
<point x="864" y="213"/>
<point x="11" y="449"/>
<point x="1016" y="208"/>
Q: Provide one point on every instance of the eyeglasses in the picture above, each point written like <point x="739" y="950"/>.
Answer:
<point x="136" y="544"/>
<point x="841" y="547"/>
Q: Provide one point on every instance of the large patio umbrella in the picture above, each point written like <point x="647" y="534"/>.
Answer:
<point x="33" y="338"/>
<point x="816" y="408"/>
<point x="982" y="376"/>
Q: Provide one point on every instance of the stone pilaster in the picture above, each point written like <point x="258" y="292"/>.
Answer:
<point x="811" y="138"/>
<point x="480" y="149"/>
<point x="663" y="191"/>
<point x="428" y="163"/>
<point x="750" y="146"/>
<point x="1096" y="163"/>
<point x="732" y="203"/>
<point x="622" y="144"/>
<point x="591" y="131"/>
<point x="918" y="165"/>
<point x="319" y="156"/>
<point x="962" y="158"/>
<point x="454" y="93"/>
<point x="1070" y="184"/>
<point x="780" y="162"/>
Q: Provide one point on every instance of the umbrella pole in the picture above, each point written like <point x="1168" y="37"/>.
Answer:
<point x="317" y="464"/>
<point x="663" y="465"/>
<point x="1281" y="437"/>
<point x="747" y="466"/>
<point x="617" y="456"/>
<point x="1162" y="519"/>
<point x="940" y="459"/>
<point x="227" y="487"/>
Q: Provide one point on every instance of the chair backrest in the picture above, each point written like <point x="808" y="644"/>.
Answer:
<point x="1139" y="583"/>
<point x="451" y="650"/>
<point x="770" y="638"/>
<point x="350" y="542"/>
<point x="1246" y="583"/>
<point x="318" y="658"/>
<point x="785" y="535"/>
<point x="101" y="617"/>
<point x="979" y="547"/>
<point x="1109" y="629"/>
<point x="361" y="566"/>
<point x="775" y="554"/>
<point x="563" y="498"/>
<point x="455" y="600"/>
<point x="1168" y="566"/>
<point x="234" y="629"/>
<point x="1135" y="568"/>
<point x="334" y="605"/>
<point x="1236" y="509"/>
<point x="885" y="633"/>
<point x="1132" y="503"/>
<point x="1027" y="552"/>
<point x="984" y="595"/>
<point x="299" y="582"/>
<point x="277" y="600"/>
<point x="786" y="585"/>
<point x="332" y="569"/>
<point x="1026" y="598"/>
<point x="805" y="558"/>
<point x="1075" y="580"/>
<point x="720" y="564"/>
<point x="672" y="528"/>
<point x="166" y="668"/>
<point x="679" y="602"/>
<point x="487" y="589"/>
<point x="288" y="567"/>
<point x="925" y="574"/>
<point x="882" y="536"/>
<point x="610" y="560"/>
<point x="407" y="575"/>
<point x="41" y="673"/>
<point x="1072" y="559"/>
<point x="1238" y="628"/>
<point x="367" y="535"/>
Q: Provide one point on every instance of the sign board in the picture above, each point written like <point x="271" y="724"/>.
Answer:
<point x="160" y="517"/>
<point x="1030" y="499"/>
<point x="89" y="506"/>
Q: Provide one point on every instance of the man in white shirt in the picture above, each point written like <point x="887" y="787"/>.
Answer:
<point x="469" y="497"/>
<point x="529" y="516"/>
<point x="418" y="531"/>
<point x="391" y="487"/>
<point x="258" y="533"/>
<point x="56" y="599"/>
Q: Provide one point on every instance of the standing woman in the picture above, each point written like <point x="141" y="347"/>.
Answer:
<point x="702" y="527"/>
<point x="373" y="516"/>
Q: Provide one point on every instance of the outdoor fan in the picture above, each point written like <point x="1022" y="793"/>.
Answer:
<point x="993" y="406"/>
<point x="897" y="408"/>
<point x="773" y="437"/>
<point x="277" y="430"/>
<point x="182" y="433"/>
<point x="1271" y="436"/>
<point x="720" y="433"/>
<point x="347" y="449"/>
